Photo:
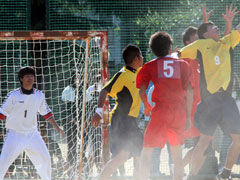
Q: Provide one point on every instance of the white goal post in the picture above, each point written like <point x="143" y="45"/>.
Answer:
<point x="71" y="68"/>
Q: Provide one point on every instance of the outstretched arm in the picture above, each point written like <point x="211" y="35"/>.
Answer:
<point x="228" y="17"/>
<point x="47" y="114"/>
<point x="206" y="15"/>
<point x="99" y="111"/>
<point x="54" y="124"/>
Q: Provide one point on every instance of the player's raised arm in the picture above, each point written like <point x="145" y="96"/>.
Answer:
<point x="206" y="15"/>
<point x="228" y="17"/>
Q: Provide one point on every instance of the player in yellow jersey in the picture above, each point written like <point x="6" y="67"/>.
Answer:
<point x="217" y="106"/>
<point x="125" y="137"/>
<point x="189" y="36"/>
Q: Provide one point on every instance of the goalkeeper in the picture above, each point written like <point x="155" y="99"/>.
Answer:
<point x="125" y="136"/>
<point x="20" y="109"/>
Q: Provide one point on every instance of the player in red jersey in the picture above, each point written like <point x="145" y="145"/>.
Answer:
<point x="189" y="36"/>
<point x="173" y="96"/>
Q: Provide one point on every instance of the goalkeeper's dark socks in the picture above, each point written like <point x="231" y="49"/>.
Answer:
<point x="225" y="174"/>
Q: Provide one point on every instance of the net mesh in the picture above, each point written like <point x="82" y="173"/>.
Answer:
<point x="127" y="21"/>
<point x="61" y="68"/>
<point x="14" y="15"/>
<point x="132" y="21"/>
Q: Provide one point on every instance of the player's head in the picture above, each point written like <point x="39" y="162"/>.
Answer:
<point x="26" y="75"/>
<point x="189" y="35"/>
<point x="208" y="31"/>
<point x="131" y="53"/>
<point x="161" y="43"/>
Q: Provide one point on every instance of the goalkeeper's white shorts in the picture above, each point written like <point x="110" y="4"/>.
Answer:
<point x="34" y="146"/>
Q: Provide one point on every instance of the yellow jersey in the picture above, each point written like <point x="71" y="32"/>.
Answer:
<point x="215" y="60"/>
<point x="122" y="87"/>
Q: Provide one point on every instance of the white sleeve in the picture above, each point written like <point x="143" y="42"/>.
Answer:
<point x="7" y="105"/>
<point x="89" y="93"/>
<point x="68" y="94"/>
<point x="149" y="96"/>
<point x="44" y="108"/>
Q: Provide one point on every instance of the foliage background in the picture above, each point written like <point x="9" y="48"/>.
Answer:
<point x="127" y="21"/>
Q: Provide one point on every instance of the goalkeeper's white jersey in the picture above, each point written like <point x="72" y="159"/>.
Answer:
<point x="21" y="109"/>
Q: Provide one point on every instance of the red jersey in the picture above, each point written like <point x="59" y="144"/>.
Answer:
<point x="193" y="132"/>
<point x="170" y="78"/>
<point x="196" y="75"/>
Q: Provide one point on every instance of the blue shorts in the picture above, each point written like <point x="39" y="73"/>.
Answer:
<point x="217" y="109"/>
<point x="125" y="135"/>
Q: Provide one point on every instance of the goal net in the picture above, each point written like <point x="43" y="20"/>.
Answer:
<point x="71" y="68"/>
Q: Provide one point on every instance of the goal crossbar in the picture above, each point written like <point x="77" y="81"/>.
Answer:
<point x="97" y="64"/>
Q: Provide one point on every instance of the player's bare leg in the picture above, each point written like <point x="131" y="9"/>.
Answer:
<point x="144" y="167"/>
<point x="176" y="153"/>
<point x="198" y="156"/>
<point x="136" y="169"/>
<point x="188" y="157"/>
<point x="232" y="156"/>
<point x="233" y="151"/>
<point x="113" y="164"/>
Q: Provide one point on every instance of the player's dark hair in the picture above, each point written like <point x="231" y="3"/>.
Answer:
<point x="160" y="43"/>
<point x="129" y="53"/>
<point x="203" y="28"/>
<point x="24" y="71"/>
<point x="187" y="33"/>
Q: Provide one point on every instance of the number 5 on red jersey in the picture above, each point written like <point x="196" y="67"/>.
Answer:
<point x="169" y="69"/>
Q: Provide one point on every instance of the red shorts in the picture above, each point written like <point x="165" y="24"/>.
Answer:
<point x="166" y="125"/>
<point x="192" y="132"/>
